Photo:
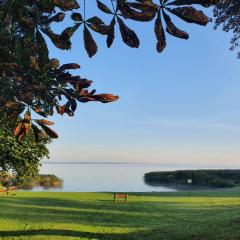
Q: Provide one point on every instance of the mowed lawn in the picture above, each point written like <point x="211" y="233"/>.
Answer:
<point x="162" y="216"/>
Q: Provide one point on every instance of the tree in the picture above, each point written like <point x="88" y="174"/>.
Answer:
<point x="32" y="82"/>
<point x="227" y="14"/>
<point x="20" y="157"/>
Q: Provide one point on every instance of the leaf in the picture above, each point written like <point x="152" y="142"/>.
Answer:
<point x="160" y="34"/>
<point x="89" y="43"/>
<point x="46" y="5"/>
<point x="57" y="40"/>
<point x="111" y="33"/>
<point x="103" y="7"/>
<point x="190" y="15"/>
<point x="21" y="134"/>
<point x="95" y="20"/>
<point x="147" y="5"/>
<point x="59" y="17"/>
<point x="69" y="112"/>
<point x="81" y="84"/>
<point x="204" y="3"/>
<point x="49" y="131"/>
<point x="42" y="49"/>
<point x="172" y="29"/>
<point x="143" y="16"/>
<point x="105" y="98"/>
<point x="73" y="105"/>
<point x="27" y="117"/>
<point x="66" y="5"/>
<point x="60" y="109"/>
<point x="77" y="17"/>
<point x="37" y="133"/>
<point x="39" y="111"/>
<point x="68" y="32"/>
<point x="27" y="127"/>
<point x="86" y="99"/>
<point x="18" y="50"/>
<point x="69" y="66"/>
<point x="97" y="25"/>
<point x="93" y="92"/>
<point x="18" y="129"/>
<point x="44" y="121"/>
<point x="99" y="28"/>
<point x="128" y="36"/>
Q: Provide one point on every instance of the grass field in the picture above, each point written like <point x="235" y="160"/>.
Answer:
<point x="162" y="216"/>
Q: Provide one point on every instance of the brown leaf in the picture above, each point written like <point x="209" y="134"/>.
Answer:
<point x="69" y="66"/>
<point x="204" y="3"/>
<point x="99" y="28"/>
<point x="18" y="128"/>
<point x="27" y="117"/>
<point x="73" y="105"/>
<point x="146" y="5"/>
<point x="27" y="127"/>
<point x="172" y="29"/>
<point x="143" y="15"/>
<point x="68" y="32"/>
<point x="128" y="36"/>
<point x="95" y="20"/>
<point x="77" y="17"/>
<point x="111" y="33"/>
<point x="60" y="109"/>
<point x="69" y="112"/>
<point x="103" y="7"/>
<point x="57" y="40"/>
<point x="59" y="17"/>
<point x="89" y="43"/>
<point x="105" y="98"/>
<point x="66" y="5"/>
<point x="190" y="15"/>
<point x="49" y="131"/>
<point x="81" y="84"/>
<point x="39" y="111"/>
<point x="160" y="35"/>
<point x="21" y="134"/>
<point x="37" y="133"/>
<point x="44" y="121"/>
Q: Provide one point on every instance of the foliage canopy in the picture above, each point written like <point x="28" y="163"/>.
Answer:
<point x="20" y="157"/>
<point x="31" y="81"/>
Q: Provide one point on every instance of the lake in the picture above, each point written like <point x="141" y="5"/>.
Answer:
<point x="111" y="177"/>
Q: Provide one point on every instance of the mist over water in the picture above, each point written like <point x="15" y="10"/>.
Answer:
<point x="113" y="177"/>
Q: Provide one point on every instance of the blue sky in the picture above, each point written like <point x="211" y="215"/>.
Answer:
<point x="182" y="106"/>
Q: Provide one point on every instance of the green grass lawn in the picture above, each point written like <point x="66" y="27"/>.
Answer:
<point x="157" y="216"/>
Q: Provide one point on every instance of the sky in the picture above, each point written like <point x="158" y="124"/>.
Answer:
<point x="181" y="106"/>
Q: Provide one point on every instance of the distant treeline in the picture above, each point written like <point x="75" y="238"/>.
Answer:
<point x="42" y="180"/>
<point x="205" y="178"/>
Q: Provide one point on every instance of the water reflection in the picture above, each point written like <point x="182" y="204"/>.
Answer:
<point x="110" y="177"/>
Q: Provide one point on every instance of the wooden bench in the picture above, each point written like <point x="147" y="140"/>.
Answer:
<point x="120" y="196"/>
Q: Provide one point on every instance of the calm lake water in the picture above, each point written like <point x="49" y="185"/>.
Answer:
<point x="111" y="177"/>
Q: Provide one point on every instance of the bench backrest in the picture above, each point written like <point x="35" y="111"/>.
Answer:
<point x="120" y="196"/>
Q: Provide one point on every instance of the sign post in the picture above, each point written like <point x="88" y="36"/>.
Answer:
<point x="189" y="181"/>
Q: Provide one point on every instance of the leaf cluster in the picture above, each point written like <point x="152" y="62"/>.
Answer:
<point x="227" y="15"/>
<point x="32" y="82"/>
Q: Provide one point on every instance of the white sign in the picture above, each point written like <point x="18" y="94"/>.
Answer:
<point x="189" y="181"/>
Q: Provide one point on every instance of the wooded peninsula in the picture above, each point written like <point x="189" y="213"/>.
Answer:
<point x="203" y="178"/>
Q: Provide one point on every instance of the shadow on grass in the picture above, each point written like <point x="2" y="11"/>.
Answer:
<point x="153" y="234"/>
<point x="157" y="218"/>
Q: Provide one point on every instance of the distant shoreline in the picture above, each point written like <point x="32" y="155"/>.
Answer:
<point x="192" y="166"/>
<point x="125" y="163"/>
